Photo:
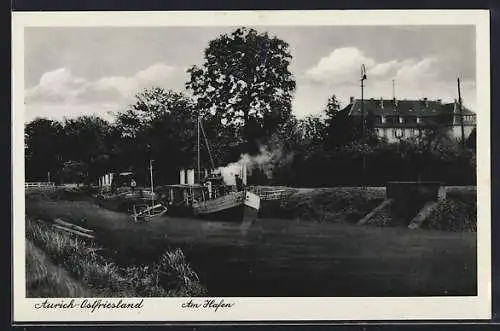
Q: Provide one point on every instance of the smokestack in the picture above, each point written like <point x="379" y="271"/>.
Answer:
<point x="244" y="173"/>
<point x="182" y="175"/>
<point x="190" y="177"/>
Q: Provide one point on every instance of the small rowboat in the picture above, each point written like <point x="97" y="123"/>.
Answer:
<point x="145" y="213"/>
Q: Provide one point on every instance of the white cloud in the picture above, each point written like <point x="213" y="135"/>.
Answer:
<point x="341" y="66"/>
<point x="60" y="93"/>
<point x="384" y="69"/>
<point x="62" y="85"/>
<point x="55" y="86"/>
<point x="339" y="73"/>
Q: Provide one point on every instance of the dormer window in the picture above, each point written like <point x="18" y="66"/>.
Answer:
<point x="410" y="110"/>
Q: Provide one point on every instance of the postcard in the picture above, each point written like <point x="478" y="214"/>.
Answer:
<point x="251" y="166"/>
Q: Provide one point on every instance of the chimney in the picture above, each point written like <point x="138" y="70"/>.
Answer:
<point x="182" y="175"/>
<point x="440" y="101"/>
<point x="190" y="177"/>
<point x="426" y="103"/>
<point x="244" y="173"/>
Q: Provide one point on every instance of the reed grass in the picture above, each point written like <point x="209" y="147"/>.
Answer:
<point x="170" y="276"/>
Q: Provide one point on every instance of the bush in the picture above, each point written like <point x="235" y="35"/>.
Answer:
<point x="458" y="213"/>
<point x="341" y="204"/>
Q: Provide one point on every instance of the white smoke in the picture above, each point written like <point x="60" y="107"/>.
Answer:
<point x="266" y="160"/>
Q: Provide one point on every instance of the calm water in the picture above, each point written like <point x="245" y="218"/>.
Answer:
<point x="282" y="257"/>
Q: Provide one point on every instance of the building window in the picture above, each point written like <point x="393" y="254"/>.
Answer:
<point x="418" y="120"/>
<point x="382" y="119"/>
<point x="398" y="133"/>
<point x="401" y="121"/>
<point x="416" y="132"/>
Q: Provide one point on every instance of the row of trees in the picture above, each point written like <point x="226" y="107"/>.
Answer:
<point x="243" y="93"/>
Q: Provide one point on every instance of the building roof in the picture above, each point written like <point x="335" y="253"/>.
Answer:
<point x="421" y="108"/>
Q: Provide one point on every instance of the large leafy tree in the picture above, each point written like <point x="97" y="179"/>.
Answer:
<point x="43" y="148"/>
<point x="160" y="125"/>
<point x="245" y="83"/>
<point x="90" y="140"/>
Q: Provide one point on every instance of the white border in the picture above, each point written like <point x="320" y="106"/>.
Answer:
<point x="278" y="309"/>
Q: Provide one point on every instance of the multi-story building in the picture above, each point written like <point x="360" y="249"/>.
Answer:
<point x="401" y="119"/>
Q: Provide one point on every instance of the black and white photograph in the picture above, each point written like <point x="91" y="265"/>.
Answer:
<point x="246" y="159"/>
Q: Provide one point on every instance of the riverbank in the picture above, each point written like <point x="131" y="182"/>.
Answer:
<point x="457" y="213"/>
<point x="62" y="265"/>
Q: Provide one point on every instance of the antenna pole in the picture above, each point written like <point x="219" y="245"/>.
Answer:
<point x="363" y="77"/>
<point x="460" y="110"/>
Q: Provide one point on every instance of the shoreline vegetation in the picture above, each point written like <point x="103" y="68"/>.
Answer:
<point x="60" y="265"/>
<point x="457" y="213"/>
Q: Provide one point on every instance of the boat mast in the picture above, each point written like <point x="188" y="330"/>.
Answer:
<point x="151" y="179"/>
<point x="208" y="147"/>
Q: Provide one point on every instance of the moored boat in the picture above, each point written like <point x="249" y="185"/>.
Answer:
<point x="240" y="206"/>
<point x="211" y="198"/>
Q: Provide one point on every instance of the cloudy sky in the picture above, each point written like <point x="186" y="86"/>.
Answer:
<point x="74" y="71"/>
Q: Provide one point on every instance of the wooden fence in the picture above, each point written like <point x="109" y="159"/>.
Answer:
<point x="270" y="194"/>
<point x="39" y="185"/>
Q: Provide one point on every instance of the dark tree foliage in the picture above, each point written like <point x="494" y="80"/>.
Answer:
<point x="89" y="140"/>
<point x="342" y="128"/>
<point x="245" y="84"/>
<point x="161" y="126"/>
<point x="43" y="149"/>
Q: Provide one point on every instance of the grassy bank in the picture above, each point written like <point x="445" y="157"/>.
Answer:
<point x="349" y="204"/>
<point x="336" y="204"/>
<point x="458" y="213"/>
<point x="85" y="262"/>
<point x="44" y="279"/>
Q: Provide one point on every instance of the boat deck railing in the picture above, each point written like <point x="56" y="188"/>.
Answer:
<point x="270" y="194"/>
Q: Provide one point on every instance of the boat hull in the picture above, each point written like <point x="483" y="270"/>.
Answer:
<point x="242" y="207"/>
